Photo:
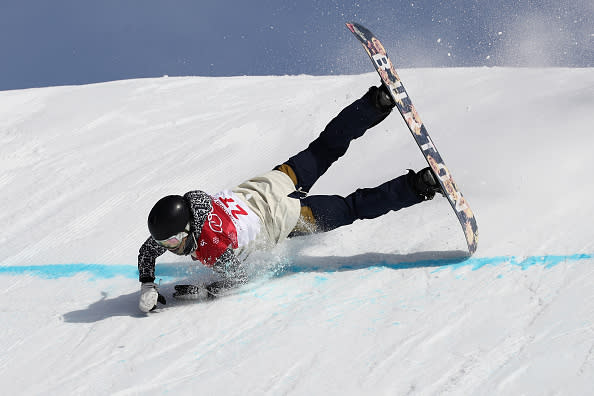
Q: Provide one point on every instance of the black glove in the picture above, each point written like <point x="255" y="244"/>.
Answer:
<point x="190" y="292"/>
<point x="217" y="289"/>
<point x="200" y="292"/>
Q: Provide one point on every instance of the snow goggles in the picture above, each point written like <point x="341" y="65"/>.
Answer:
<point x="174" y="241"/>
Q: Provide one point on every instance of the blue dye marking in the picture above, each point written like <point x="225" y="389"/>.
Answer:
<point x="524" y="263"/>
<point x="96" y="271"/>
<point x="474" y="263"/>
<point x="176" y="271"/>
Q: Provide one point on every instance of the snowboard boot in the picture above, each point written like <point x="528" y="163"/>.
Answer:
<point x="381" y="98"/>
<point x="424" y="183"/>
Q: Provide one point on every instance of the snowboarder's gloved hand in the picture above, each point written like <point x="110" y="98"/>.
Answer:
<point x="219" y="288"/>
<point x="149" y="296"/>
<point x="202" y="292"/>
<point x="190" y="292"/>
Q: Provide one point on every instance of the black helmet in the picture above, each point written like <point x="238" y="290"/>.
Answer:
<point x="169" y="216"/>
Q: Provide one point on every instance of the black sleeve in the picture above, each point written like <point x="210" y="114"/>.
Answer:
<point x="148" y="253"/>
<point x="201" y="206"/>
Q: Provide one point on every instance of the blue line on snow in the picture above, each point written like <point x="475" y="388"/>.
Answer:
<point x="97" y="271"/>
<point x="56" y="271"/>
<point x="101" y="271"/>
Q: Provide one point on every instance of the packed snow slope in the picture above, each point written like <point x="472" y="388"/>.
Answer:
<point x="386" y="306"/>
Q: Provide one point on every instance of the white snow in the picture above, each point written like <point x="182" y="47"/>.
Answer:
<point x="380" y="307"/>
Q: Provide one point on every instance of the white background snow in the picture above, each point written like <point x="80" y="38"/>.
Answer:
<point x="388" y="306"/>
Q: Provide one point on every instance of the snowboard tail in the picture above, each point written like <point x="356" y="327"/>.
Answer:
<point x="383" y="65"/>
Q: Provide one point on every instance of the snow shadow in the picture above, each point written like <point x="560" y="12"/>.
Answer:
<point x="299" y="263"/>
<point x="124" y="305"/>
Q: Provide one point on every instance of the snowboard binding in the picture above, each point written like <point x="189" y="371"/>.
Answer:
<point x="425" y="183"/>
<point x="381" y="98"/>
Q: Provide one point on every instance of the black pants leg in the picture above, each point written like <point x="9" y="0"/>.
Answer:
<point x="327" y="212"/>
<point x="333" y="211"/>
<point x="333" y="142"/>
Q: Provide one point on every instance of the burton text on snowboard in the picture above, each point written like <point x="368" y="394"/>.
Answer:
<point x="390" y="78"/>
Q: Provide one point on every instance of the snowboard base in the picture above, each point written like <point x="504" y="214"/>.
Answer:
<point x="384" y="67"/>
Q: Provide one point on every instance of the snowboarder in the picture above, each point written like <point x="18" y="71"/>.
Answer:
<point x="220" y="230"/>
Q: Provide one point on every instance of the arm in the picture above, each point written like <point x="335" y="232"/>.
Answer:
<point x="147" y="255"/>
<point x="149" y="295"/>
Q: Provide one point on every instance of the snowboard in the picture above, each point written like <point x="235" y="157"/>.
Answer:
<point x="390" y="78"/>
